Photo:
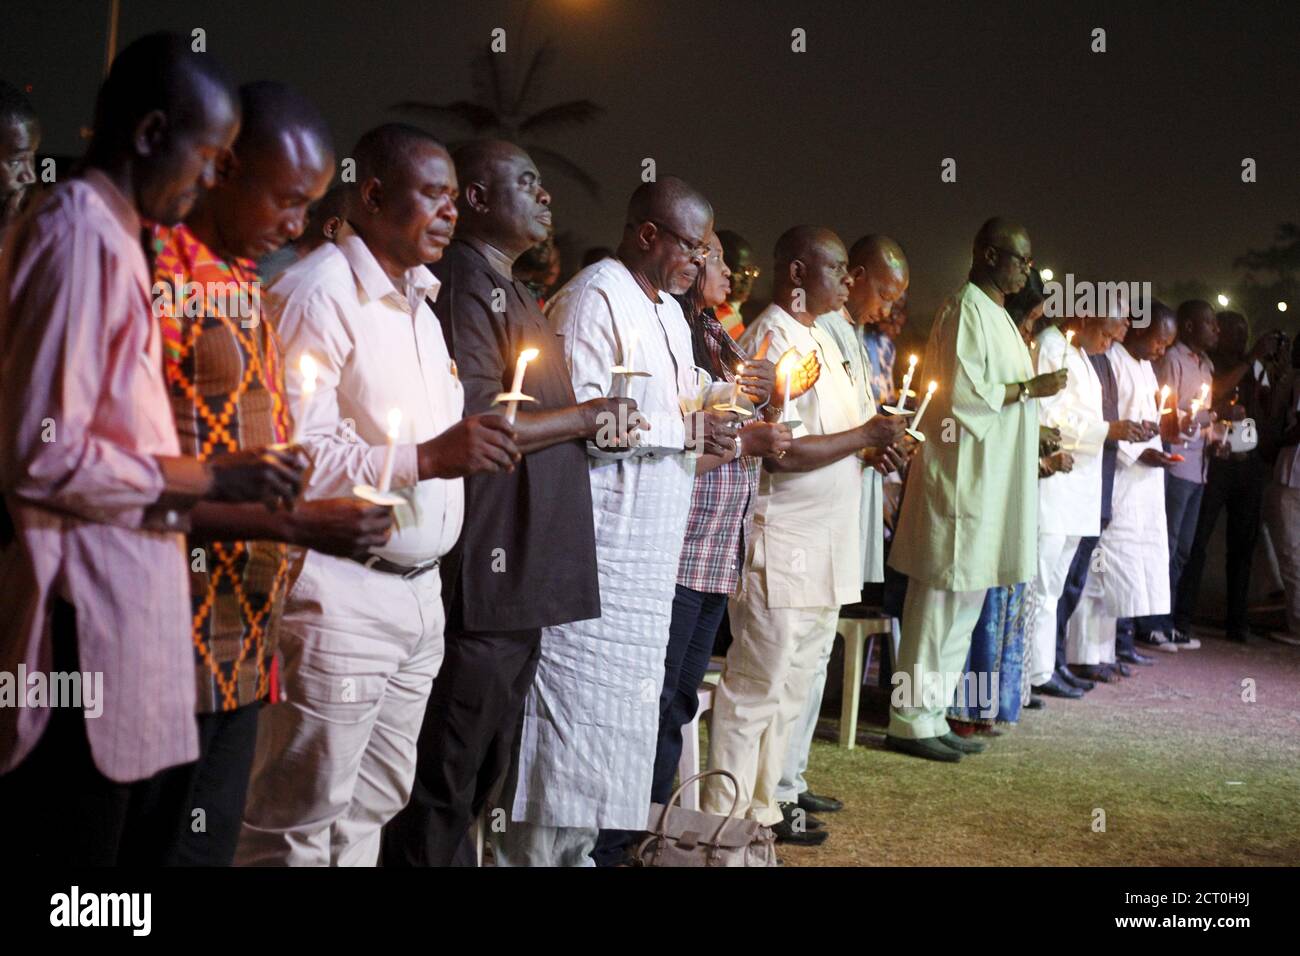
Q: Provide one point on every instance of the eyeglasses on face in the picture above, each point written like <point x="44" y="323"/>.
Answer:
<point x="696" y="249"/>
<point x="1025" y="262"/>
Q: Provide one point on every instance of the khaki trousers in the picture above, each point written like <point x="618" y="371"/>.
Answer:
<point x="937" y="628"/>
<point x="336" y="760"/>
<point x="765" y="684"/>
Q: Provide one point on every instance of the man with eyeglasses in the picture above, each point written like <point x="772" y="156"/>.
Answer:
<point x="739" y="258"/>
<point x="969" y="520"/>
<point x="591" y="720"/>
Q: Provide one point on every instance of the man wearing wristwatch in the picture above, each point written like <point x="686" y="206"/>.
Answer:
<point x="969" y="516"/>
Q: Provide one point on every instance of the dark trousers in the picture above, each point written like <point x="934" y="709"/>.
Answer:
<point x="465" y="744"/>
<point x="1237" y="486"/>
<point x="1074" y="584"/>
<point x="1182" y="508"/>
<point x="209" y="830"/>
<point x="696" y="618"/>
<point x="57" y="809"/>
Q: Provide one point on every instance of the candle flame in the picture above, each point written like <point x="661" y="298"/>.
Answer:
<point x="933" y="386"/>
<point x="1164" y="391"/>
<point x="911" y="361"/>
<point x="1069" y="337"/>
<point x="307" y="366"/>
<point x="528" y="354"/>
<point x="394" y="422"/>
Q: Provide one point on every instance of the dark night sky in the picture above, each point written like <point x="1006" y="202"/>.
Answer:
<point x="1124" y="165"/>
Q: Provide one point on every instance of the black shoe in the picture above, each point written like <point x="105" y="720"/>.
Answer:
<point x="1034" y="703"/>
<point x="1184" y="641"/>
<point x="1133" y="657"/>
<point x="962" y="745"/>
<point x="787" y="834"/>
<point x="1098" y="672"/>
<point x="799" y="818"/>
<point x="1075" y="680"/>
<point x="931" y="748"/>
<point x="815" y="803"/>
<point x="1055" y="687"/>
<point x="1124" y="669"/>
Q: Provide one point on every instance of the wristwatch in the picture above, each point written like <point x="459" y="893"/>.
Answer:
<point x="1024" y="392"/>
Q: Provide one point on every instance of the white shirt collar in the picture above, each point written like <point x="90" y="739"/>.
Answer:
<point x="374" y="282"/>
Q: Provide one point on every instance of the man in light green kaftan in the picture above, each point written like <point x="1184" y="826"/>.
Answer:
<point x="970" y="512"/>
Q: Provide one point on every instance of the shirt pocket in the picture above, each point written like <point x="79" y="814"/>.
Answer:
<point x="798" y="568"/>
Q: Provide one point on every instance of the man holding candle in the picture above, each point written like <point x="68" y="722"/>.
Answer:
<point x="969" y="515"/>
<point x="805" y="559"/>
<point x="1070" y="503"/>
<point x="363" y="635"/>
<point x="879" y="272"/>
<point x="224" y="377"/>
<point x="586" y="756"/>
<point x="1188" y="372"/>
<point x="98" y="490"/>
<point x="527" y="557"/>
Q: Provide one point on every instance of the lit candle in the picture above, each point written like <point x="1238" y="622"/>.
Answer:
<point x="929" y="393"/>
<point x="1164" y="398"/>
<point x="517" y="387"/>
<point x="788" y="363"/>
<point x="735" y="386"/>
<point x="1069" y="337"/>
<point x="307" y="366"/>
<point x="907" y="381"/>
<point x="394" y="424"/>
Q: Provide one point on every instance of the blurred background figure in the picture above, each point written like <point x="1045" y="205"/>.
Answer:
<point x="20" y="137"/>
<point x="539" y="269"/>
<point x="739" y="259"/>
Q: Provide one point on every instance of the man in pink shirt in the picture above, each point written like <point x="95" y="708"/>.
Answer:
<point x="97" y="687"/>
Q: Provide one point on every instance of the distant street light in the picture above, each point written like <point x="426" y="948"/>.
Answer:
<point x="1048" y="275"/>
<point x="1223" y="299"/>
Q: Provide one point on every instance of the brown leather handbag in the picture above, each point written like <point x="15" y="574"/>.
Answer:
<point x="680" y="837"/>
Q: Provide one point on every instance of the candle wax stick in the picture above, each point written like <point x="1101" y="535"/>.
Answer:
<point x="925" y="402"/>
<point x="306" y="365"/>
<point x="390" y="452"/>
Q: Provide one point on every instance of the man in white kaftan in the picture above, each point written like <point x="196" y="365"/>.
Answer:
<point x="591" y="719"/>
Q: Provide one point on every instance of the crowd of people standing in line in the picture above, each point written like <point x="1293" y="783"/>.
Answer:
<point x="397" y="542"/>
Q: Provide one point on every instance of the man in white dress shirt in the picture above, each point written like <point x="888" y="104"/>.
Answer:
<point x="805" y="557"/>
<point x="362" y="641"/>
<point x="591" y="720"/>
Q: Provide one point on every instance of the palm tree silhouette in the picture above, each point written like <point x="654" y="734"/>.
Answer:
<point x="498" y="111"/>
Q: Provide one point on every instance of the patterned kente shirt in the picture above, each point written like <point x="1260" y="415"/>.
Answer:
<point x="722" y="501"/>
<point x="222" y="367"/>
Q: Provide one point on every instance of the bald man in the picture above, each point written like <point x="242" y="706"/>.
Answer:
<point x="362" y="633"/>
<point x="591" y="720"/>
<point x="805" y="558"/>
<point x="969" y="515"/>
<point x="880" y="277"/>
<point x="93" y="577"/>
<point x="527" y="558"/>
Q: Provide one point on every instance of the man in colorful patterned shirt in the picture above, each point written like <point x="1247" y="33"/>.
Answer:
<point x="224" y="376"/>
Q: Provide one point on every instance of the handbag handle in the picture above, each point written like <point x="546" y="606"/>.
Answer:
<point x="677" y="794"/>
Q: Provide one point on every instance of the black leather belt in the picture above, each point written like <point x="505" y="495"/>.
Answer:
<point x="405" y="571"/>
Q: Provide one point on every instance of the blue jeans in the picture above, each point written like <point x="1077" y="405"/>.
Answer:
<point x="1182" y="508"/>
